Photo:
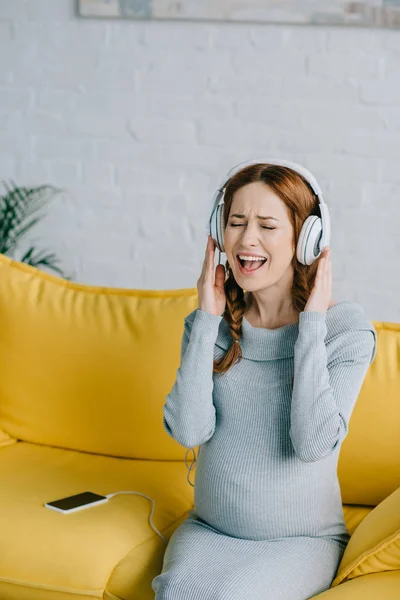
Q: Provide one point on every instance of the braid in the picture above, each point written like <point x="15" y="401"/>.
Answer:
<point x="233" y="314"/>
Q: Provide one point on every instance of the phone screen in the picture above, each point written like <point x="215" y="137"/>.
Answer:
<point x="77" y="500"/>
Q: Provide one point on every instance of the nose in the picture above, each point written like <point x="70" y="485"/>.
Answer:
<point x="250" y="234"/>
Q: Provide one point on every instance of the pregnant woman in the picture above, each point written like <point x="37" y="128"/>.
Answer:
<point x="270" y="372"/>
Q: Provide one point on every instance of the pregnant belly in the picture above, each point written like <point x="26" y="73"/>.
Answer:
<point x="246" y="497"/>
<point x="252" y="503"/>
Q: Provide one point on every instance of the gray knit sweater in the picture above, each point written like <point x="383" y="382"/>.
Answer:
<point x="270" y="429"/>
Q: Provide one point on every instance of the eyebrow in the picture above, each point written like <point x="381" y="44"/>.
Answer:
<point x="259" y="216"/>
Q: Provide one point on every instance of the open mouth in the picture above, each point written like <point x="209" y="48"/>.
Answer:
<point x="250" y="266"/>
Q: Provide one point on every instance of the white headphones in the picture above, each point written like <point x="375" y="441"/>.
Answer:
<point x="316" y="231"/>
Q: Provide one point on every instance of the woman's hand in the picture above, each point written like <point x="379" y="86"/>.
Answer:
<point x="212" y="297"/>
<point x="321" y="294"/>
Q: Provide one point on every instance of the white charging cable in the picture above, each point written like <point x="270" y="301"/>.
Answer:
<point x="190" y="467"/>
<point x="152" y="510"/>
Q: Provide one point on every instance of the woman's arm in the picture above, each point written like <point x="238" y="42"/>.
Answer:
<point x="189" y="412"/>
<point x="324" y="393"/>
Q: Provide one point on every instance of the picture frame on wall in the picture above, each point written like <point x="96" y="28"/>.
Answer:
<point x="365" y="13"/>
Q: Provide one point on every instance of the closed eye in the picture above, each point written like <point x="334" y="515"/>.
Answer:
<point x="238" y="225"/>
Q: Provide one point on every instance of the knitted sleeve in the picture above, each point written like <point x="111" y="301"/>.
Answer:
<point x="325" y="391"/>
<point x="189" y="412"/>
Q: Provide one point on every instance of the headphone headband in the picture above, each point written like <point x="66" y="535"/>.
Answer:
<point x="308" y="176"/>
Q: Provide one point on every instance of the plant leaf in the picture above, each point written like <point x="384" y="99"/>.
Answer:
<point x="49" y="260"/>
<point x="16" y="207"/>
<point x="20" y="210"/>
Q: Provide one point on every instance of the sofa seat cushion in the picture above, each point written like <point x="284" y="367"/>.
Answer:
<point x="108" y="550"/>
<point x="353" y="515"/>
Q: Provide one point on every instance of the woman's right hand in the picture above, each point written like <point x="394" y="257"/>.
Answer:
<point x="212" y="298"/>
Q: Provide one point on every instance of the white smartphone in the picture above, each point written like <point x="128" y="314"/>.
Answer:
<point x="77" y="502"/>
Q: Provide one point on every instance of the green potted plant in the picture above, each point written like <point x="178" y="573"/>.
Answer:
<point x="20" y="209"/>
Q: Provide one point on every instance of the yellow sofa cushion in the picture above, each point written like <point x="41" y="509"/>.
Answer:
<point x="105" y="551"/>
<point x="85" y="367"/>
<point x="353" y="515"/>
<point x="375" y="544"/>
<point x="379" y="586"/>
<point x="369" y="460"/>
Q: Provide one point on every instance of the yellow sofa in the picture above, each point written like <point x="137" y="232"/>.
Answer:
<point x="84" y="375"/>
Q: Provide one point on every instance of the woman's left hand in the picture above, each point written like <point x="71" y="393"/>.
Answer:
<point x="321" y="294"/>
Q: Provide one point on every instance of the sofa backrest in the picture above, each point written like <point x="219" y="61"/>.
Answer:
<point x="88" y="368"/>
<point x="369" y="461"/>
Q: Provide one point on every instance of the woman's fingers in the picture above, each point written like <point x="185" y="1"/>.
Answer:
<point x="211" y="255"/>
<point x="325" y="273"/>
<point x="206" y="261"/>
<point x="220" y="277"/>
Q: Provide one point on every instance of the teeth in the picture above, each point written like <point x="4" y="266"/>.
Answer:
<point x="251" y="257"/>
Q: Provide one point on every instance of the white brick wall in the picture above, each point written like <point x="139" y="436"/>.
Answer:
<point x="139" y="121"/>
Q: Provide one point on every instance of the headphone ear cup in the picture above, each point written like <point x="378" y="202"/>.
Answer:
<point x="219" y="227"/>
<point x="308" y="246"/>
<point x="214" y="224"/>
